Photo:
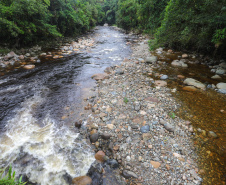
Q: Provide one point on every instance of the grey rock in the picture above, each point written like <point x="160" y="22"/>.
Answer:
<point x="195" y="83"/>
<point x="216" y="77"/>
<point x="151" y="59"/>
<point x="137" y="106"/>
<point x="128" y="174"/>
<point x="145" y="129"/>
<point x="212" y="134"/>
<point x="106" y="136"/>
<point x="119" y="72"/>
<point x="94" y="137"/>
<point x="221" y="85"/>
<point x="169" y="127"/>
<point x="164" y="77"/>
<point x="112" y="163"/>
<point x="222" y="91"/>
<point x="220" y="71"/>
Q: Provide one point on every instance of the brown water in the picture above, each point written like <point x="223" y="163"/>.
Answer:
<point x="206" y="109"/>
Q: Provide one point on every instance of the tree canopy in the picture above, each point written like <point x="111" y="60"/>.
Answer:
<point x="187" y="24"/>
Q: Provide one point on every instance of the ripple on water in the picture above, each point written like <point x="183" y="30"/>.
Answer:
<point x="45" y="154"/>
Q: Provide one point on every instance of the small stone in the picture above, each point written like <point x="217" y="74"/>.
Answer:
<point x="143" y="112"/>
<point x="189" y="88"/>
<point x="100" y="156"/>
<point x="169" y="127"/>
<point x="78" y="124"/>
<point x="216" y="77"/>
<point x="176" y="155"/>
<point x="164" y="77"/>
<point x="94" y="137"/>
<point x="145" y="129"/>
<point x="29" y="67"/>
<point x="167" y="167"/>
<point x="181" y="159"/>
<point x="116" y="147"/>
<point x="185" y="56"/>
<point x="128" y="174"/>
<point x="110" y="126"/>
<point x="160" y="83"/>
<point x="106" y="136"/>
<point x="150" y="146"/>
<point x="146" y="136"/>
<point x="151" y="59"/>
<point x="212" y="134"/>
<point x="83" y="180"/>
<point x="180" y="76"/>
<point x="21" y="57"/>
<point x="220" y="71"/>
<point x="155" y="164"/>
<point x="113" y="163"/>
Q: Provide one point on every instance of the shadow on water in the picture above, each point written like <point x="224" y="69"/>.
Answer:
<point x="206" y="109"/>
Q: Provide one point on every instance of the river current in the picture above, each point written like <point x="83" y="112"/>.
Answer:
<point x="39" y="107"/>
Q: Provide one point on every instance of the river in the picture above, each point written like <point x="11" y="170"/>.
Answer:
<point x="40" y="106"/>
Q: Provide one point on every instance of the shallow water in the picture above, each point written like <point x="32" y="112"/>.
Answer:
<point x="40" y="106"/>
<point x="205" y="110"/>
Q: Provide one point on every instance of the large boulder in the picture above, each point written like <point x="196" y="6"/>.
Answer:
<point x="195" y="83"/>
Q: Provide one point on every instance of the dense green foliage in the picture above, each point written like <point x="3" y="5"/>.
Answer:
<point x="9" y="178"/>
<point x="25" y="22"/>
<point x="194" y="25"/>
<point x="183" y="24"/>
<point x="187" y="24"/>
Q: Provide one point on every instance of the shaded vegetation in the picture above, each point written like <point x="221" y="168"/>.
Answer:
<point x="24" y="22"/>
<point x="181" y="24"/>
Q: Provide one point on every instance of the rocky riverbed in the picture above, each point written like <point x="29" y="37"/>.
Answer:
<point x="133" y="123"/>
<point x="131" y="116"/>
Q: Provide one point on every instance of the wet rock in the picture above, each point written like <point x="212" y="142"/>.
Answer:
<point x="100" y="76"/>
<point x="21" y="57"/>
<point x="185" y="56"/>
<point x="112" y="163"/>
<point x="78" y="124"/>
<point x="155" y="164"/>
<point x="212" y="134"/>
<point x="83" y="180"/>
<point x="145" y="129"/>
<point x="94" y="137"/>
<point x="100" y="156"/>
<point x="221" y="85"/>
<point x="220" y="71"/>
<point x="151" y="59"/>
<point x="222" y="91"/>
<point x="169" y="127"/>
<point x="27" y="54"/>
<point x="160" y="83"/>
<point x="137" y="106"/>
<point x="189" y="88"/>
<point x="106" y="136"/>
<point x="180" y="76"/>
<point x="164" y="77"/>
<point x="29" y="67"/>
<point x="10" y="55"/>
<point x="119" y="72"/>
<point x="177" y="63"/>
<point x="128" y="174"/>
<point x="193" y="82"/>
<point x="216" y="77"/>
<point x="108" y="70"/>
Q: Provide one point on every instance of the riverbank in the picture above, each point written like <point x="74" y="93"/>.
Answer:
<point x="151" y="144"/>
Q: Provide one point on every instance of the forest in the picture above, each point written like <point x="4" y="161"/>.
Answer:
<point x="181" y="24"/>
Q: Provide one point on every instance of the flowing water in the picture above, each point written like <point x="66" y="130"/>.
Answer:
<point x="38" y="109"/>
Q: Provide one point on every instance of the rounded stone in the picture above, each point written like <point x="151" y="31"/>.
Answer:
<point x="83" y="180"/>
